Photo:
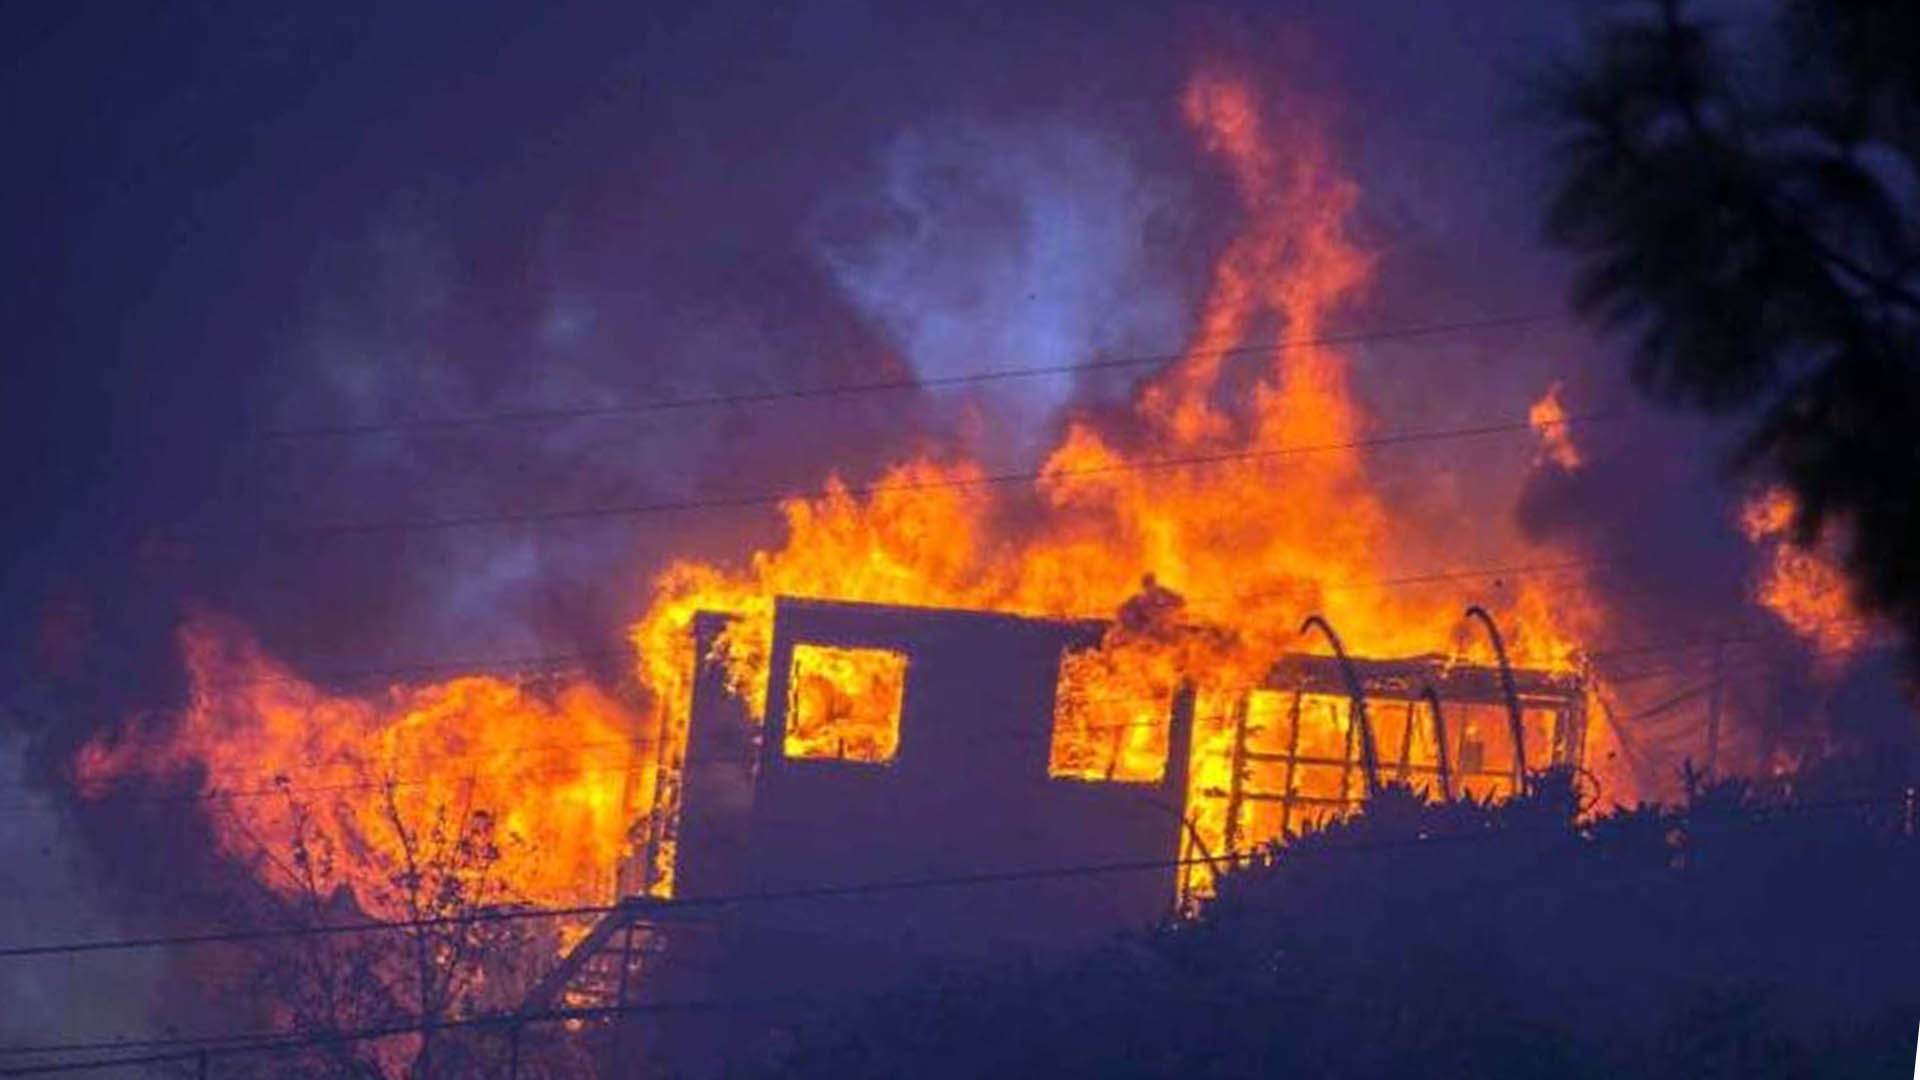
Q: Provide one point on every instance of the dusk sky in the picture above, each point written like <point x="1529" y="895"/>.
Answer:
<point x="259" y="218"/>
<point x="329" y="320"/>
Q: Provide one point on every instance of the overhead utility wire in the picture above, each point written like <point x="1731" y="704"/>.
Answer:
<point x="816" y="892"/>
<point x="801" y="393"/>
<point x="455" y="775"/>
<point x="869" y="490"/>
<point x="268" y="1042"/>
<point x="1730" y="667"/>
<point x="293" y="1039"/>
<point x="483" y="665"/>
<point x="261" y="1042"/>
<point x="206" y="1047"/>
<point x="536" y="662"/>
<point x="495" y="665"/>
<point x="642" y="743"/>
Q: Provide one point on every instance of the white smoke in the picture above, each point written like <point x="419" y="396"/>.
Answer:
<point x="991" y="247"/>
<point x="47" y="898"/>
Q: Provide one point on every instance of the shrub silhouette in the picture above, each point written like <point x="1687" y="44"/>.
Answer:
<point x="1725" y="937"/>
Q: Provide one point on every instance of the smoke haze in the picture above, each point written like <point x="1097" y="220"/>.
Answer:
<point x="243" y="228"/>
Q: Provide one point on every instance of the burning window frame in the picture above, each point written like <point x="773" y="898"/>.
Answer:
<point x="1104" y="731"/>
<point x="865" y="718"/>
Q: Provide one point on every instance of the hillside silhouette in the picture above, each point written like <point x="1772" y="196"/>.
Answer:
<point x="1740" y="934"/>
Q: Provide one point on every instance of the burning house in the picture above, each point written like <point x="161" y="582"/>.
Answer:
<point x="887" y="725"/>
<point x="927" y="785"/>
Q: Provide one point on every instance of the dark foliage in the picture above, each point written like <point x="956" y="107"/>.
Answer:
<point x="1724" y="938"/>
<point x="1745" y="200"/>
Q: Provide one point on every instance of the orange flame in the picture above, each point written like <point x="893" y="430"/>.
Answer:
<point x="846" y="703"/>
<point x="1803" y="587"/>
<point x="1549" y="419"/>
<point x="369" y="786"/>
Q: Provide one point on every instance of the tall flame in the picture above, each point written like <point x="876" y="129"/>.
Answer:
<point x="1239" y="488"/>
<point x="1235" y="498"/>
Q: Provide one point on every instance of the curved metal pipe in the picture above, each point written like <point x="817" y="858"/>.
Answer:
<point x="1514" y="728"/>
<point x="1357" y="695"/>
<point x="1432" y="697"/>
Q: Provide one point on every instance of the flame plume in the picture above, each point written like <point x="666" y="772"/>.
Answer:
<point x="1236" y="490"/>
<point x="1204" y="493"/>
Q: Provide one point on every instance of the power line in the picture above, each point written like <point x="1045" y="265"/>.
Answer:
<point x="639" y="743"/>
<point x="871" y="490"/>
<point x="276" y="788"/>
<point x="1750" y="664"/>
<point x="1675" y="701"/>
<point x="816" y="892"/>
<point x="586" y="412"/>
<point x="267" y="1042"/>
<point x="287" y="789"/>
<point x="586" y="910"/>
<point x="495" y="665"/>
<point x="485" y="665"/>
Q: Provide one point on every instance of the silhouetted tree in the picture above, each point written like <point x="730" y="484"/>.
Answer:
<point x="1745" y="200"/>
<point x="444" y="964"/>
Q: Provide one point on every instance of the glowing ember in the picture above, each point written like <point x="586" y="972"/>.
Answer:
<point x="1803" y="587"/>
<point x="1549" y="419"/>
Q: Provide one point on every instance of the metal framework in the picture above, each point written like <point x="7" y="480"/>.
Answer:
<point x="1415" y="708"/>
